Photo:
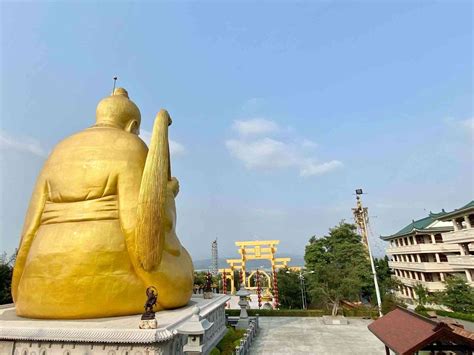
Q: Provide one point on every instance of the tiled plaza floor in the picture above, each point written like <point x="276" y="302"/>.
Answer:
<point x="294" y="335"/>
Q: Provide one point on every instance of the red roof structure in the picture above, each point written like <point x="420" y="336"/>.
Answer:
<point x="406" y="332"/>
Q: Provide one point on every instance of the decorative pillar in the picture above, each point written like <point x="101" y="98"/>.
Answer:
<point x="224" y="282"/>
<point x="455" y="225"/>
<point x="418" y="259"/>
<point x="433" y="239"/>
<point x="242" y="253"/>
<point x="259" y="290"/>
<point x="232" y="281"/>
<point x="276" y="299"/>
<point x="423" y="277"/>
<point x="468" y="276"/>
<point x="438" y="260"/>
<point x="467" y="221"/>
<point x="441" y="276"/>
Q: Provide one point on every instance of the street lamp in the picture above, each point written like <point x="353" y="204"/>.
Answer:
<point x="303" y="286"/>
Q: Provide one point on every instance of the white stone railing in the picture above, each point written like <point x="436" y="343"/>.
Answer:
<point x="247" y="340"/>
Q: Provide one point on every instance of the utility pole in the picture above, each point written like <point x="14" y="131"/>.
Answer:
<point x="361" y="217"/>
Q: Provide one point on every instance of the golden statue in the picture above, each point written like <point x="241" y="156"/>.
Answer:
<point x="100" y="228"/>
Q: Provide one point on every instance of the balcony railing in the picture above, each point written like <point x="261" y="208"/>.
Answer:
<point x="460" y="236"/>
<point x="423" y="267"/>
<point x="424" y="248"/>
<point x="431" y="286"/>
<point x="461" y="261"/>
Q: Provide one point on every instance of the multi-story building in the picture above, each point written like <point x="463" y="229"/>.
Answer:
<point x="463" y="237"/>
<point x="427" y="250"/>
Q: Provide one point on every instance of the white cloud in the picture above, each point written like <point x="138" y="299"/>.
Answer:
<point x="312" y="168"/>
<point x="176" y="148"/>
<point x="255" y="126"/>
<point x="22" y="144"/>
<point x="265" y="153"/>
<point x="468" y="124"/>
<point x="307" y="143"/>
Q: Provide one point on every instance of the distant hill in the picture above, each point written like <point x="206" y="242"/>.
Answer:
<point x="205" y="264"/>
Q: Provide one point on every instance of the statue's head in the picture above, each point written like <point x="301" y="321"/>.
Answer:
<point x="119" y="111"/>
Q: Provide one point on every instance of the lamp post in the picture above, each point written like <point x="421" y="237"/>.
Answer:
<point x="303" y="287"/>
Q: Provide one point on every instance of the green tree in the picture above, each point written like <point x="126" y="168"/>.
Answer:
<point x="421" y="294"/>
<point x="6" y="271"/>
<point x="384" y="275"/>
<point x="200" y="278"/>
<point x="341" y="267"/>
<point x="458" y="296"/>
<point x="289" y="289"/>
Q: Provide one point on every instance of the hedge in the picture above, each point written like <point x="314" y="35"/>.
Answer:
<point x="228" y="343"/>
<point x="355" y="312"/>
<point x="463" y="316"/>
<point x="424" y="312"/>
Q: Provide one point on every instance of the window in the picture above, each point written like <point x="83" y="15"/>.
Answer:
<point x="438" y="238"/>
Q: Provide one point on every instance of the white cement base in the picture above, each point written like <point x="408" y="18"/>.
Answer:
<point x="337" y="320"/>
<point x="108" y="336"/>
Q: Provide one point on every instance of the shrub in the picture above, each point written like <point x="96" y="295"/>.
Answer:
<point x="366" y="312"/>
<point x="279" y="313"/>
<point x="354" y="312"/>
<point x="457" y="315"/>
<point x="215" y="351"/>
<point x="422" y="310"/>
<point x="226" y="345"/>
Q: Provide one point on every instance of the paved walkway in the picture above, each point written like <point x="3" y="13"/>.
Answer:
<point x="295" y="335"/>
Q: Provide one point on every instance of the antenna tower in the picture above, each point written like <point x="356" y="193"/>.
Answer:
<point x="361" y="217"/>
<point x="214" y="265"/>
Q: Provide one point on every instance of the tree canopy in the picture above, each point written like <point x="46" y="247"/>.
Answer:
<point x="289" y="289"/>
<point x="458" y="296"/>
<point x="6" y="271"/>
<point x="341" y="267"/>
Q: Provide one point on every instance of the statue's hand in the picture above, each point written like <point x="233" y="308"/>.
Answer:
<point x="173" y="185"/>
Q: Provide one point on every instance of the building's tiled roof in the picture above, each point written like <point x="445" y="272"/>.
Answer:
<point x="419" y="225"/>
<point x="459" y="211"/>
<point x="406" y="332"/>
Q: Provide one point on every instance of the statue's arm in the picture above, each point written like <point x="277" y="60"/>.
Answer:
<point x="30" y="227"/>
<point x="146" y="188"/>
<point x="128" y="185"/>
<point x="152" y="221"/>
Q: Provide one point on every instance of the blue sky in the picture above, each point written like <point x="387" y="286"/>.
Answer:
<point x="280" y="109"/>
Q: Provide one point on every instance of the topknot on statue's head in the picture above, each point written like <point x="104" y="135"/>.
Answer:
<point x="120" y="91"/>
<point x="117" y="110"/>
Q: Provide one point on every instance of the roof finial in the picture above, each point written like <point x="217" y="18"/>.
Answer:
<point x="115" y="81"/>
